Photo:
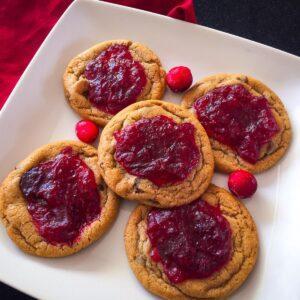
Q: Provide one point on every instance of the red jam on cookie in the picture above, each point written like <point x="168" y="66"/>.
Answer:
<point x="62" y="197"/>
<point x="115" y="79"/>
<point x="157" y="149"/>
<point x="191" y="241"/>
<point x="235" y="117"/>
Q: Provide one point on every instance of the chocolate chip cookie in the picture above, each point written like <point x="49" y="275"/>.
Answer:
<point x="202" y="250"/>
<point x="246" y="121"/>
<point x="157" y="153"/>
<point x="111" y="75"/>
<point x="55" y="202"/>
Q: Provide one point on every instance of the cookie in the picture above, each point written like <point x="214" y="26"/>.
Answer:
<point x="152" y="272"/>
<point x="55" y="203"/>
<point x="270" y="150"/>
<point x="157" y="153"/>
<point x="111" y="75"/>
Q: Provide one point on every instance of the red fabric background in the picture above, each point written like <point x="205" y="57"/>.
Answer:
<point x="25" y="24"/>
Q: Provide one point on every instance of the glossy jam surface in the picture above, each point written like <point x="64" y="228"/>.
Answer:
<point x="191" y="241"/>
<point x="115" y="79"/>
<point x="233" y="116"/>
<point x="157" y="149"/>
<point x="62" y="197"/>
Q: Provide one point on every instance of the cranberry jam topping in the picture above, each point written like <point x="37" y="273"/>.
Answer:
<point x="235" y="117"/>
<point x="190" y="241"/>
<point x="62" y="197"/>
<point x="157" y="149"/>
<point x="115" y="79"/>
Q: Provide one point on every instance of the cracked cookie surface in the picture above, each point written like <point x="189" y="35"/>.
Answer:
<point x="221" y="283"/>
<point x="76" y="85"/>
<point x="226" y="159"/>
<point x="18" y="221"/>
<point x="143" y="190"/>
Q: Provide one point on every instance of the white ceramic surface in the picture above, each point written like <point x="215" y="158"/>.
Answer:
<point x="37" y="113"/>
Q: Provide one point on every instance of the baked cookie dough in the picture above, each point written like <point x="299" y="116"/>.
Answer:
<point x="76" y="85"/>
<point x="226" y="159"/>
<point x="143" y="190"/>
<point x="14" y="208"/>
<point x="218" y="285"/>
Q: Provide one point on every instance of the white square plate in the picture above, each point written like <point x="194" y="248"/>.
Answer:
<point x="37" y="113"/>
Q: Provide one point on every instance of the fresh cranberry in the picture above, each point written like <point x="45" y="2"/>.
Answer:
<point x="87" y="131"/>
<point x="115" y="79"/>
<point x="179" y="79"/>
<point x="242" y="184"/>
<point x="235" y="117"/>
<point x="190" y="241"/>
<point x="62" y="197"/>
<point x="158" y="149"/>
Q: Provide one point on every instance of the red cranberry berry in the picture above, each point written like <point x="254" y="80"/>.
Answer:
<point x="87" y="131"/>
<point x="179" y="79"/>
<point x="242" y="184"/>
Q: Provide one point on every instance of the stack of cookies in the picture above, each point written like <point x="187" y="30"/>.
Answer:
<point x="187" y="238"/>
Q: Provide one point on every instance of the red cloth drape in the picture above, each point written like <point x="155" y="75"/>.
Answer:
<point x="25" y="24"/>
